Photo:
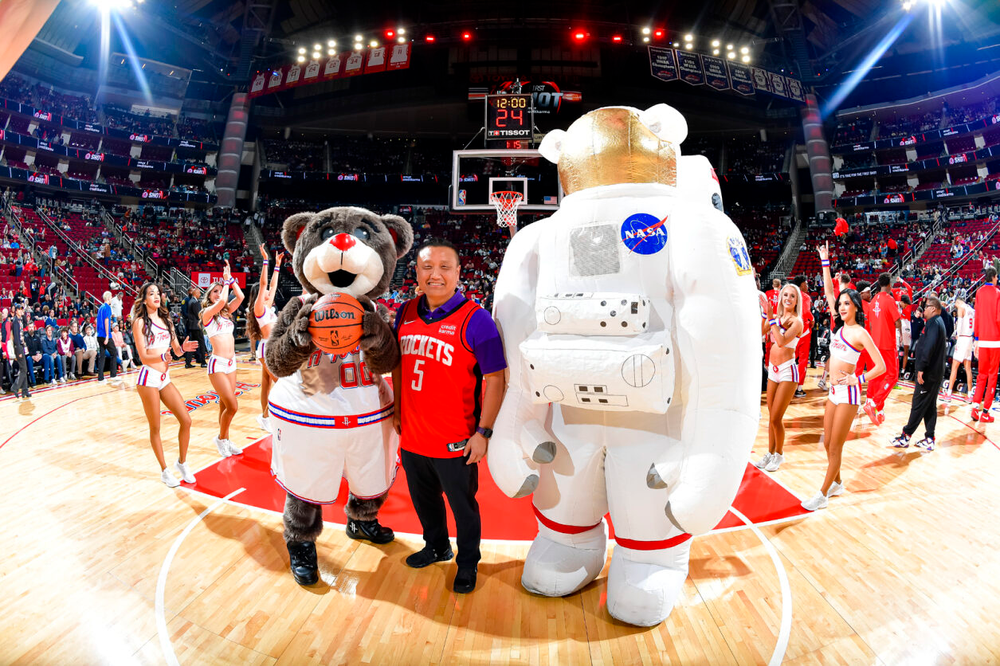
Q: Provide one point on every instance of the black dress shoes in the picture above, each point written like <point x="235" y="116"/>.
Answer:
<point x="465" y="581"/>
<point x="369" y="530"/>
<point x="428" y="556"/>
<point x="303" y="558"/>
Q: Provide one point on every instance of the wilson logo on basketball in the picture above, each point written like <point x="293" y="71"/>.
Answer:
<point x="327" y="315"/>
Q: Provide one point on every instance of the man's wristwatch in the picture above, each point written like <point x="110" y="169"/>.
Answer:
<point x="485" y="432"/>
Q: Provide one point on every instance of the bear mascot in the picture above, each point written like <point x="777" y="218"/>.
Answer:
<point x="332" y="413"/>
<point x="631" y="329"/>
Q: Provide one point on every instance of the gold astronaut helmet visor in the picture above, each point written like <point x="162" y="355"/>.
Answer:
<point x="610" y="146"/>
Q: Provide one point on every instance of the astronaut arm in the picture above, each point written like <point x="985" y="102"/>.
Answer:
<point x="720" y="355"/>
<point x="514" y="311"/>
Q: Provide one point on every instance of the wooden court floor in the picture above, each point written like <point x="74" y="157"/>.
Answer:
<point x="101" y="563"/>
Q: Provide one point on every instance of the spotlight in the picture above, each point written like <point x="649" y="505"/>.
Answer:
<point x="301" y="58"/>
<point x="331" y="52"/>
<point x="302" y="50"/>
<point x="645" y="40"/>
<point x="646" y="31"/>
<point x="401" y="40"/>
<point x="389" y="34"/>
<point x="401" y="31"/>
<point x="715" y="43"/>
<point x="373" y="44"/>
<point x="112" y="5"/>
<point x="746" y="58"/>
<point x="688" y="38"/>
<point x="616" y="39"/>
<point x="331" y="43"/>
<point x="729" y="47"/>
<point x="731" y="55"/>
<point x="658" y="34"/>
<point x="580" y="36"/>
<point x="715" y="51"/>
<point x="316" y="47"/>
<point x="316" y="55"/>
<point x="744" y="50"/>
<point x="429" y="38"/>
<point x="466" y="36"/>
<point x="907" y="6"/>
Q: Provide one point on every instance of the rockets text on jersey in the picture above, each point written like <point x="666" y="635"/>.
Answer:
<point x="427" y="347"/>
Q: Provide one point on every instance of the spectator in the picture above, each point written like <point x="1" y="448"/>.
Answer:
<point x="929" y="358"/>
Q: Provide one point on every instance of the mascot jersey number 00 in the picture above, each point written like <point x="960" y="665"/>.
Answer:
<point x="631" y="328"/>
<point x="332" y="413"/>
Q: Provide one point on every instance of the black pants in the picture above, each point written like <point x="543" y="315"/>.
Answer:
<point x="107" y="344"/>
<point x="21" y="383"/>
<point x="427" y="478"/>
<point x="195" y="334"/>
<point x="924" y="407"/>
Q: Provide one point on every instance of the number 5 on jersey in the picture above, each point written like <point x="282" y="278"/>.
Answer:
<point x="418" y="383"/>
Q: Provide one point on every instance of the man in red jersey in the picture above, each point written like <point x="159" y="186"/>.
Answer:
<point x="986" y="346"/>
<point x="448" y="389"/>
<point x="802" y="347"/>
<point x="905" y="303"/>
<point x="885" y="323"/>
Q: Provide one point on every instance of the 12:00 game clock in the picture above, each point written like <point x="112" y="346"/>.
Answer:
<point x="508" y="119"/>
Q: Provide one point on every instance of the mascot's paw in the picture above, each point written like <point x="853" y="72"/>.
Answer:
<point x="560" y="564"/>
<point x="299" y="330"/>
<point x="373" y="329"/>
<point x="302" y="555"/>
<point x="644" y="593"/>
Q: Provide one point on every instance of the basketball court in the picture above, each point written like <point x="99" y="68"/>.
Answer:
<point x="104" y="564"/>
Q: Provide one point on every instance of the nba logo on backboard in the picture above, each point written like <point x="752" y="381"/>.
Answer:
<point x="461" y="197"/>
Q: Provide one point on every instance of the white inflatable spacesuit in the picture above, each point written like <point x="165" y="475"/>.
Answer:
<point x="631" y="328"/>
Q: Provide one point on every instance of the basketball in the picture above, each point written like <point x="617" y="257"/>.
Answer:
<point x="335" y="323"/>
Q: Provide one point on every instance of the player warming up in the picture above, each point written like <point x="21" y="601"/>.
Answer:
<point x="847" y="340"/>
<point x="217" y="318"/>
<point x="986" y="346"/>
<point x="963" y="347"/>
<point x="154" y="338"/>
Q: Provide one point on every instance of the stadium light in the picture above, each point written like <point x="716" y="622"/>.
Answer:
<point x="302" y="50"/>
<point x="744" y="50"/>
<point x="466" y="36"/>
<point x="645" y="40"/>
<point x="731" y="55"/>
<point x="358" y="38"/>
<point x="715" y="52"/>
<point x="316" y="55"/>
<point x="616" y="39"/>
<point x="729" y="47"/>
<point x="689" y="38"/>
<point x="301" y="58"/>
<point x="646" y="31"/>
<point x="401" y="40"/>
<point x="112" y="5"/>
<point x="317" y="46"/>
<point x="746" y="58"/>
<point x="429" y="38"/>
<point x="715" y="43"/>
<point x="579" y="36"/>
<point x="331" y="43"/>
<point x="658" y="34"/>
<point x="331" y="52"/>
<point x="373" y="44"/>
<point x="389" y="34"/>
<point x="907" y="6"/>
<point x="401" y="31"/>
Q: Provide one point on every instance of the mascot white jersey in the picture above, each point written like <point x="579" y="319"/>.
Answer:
<point x="631" y="327"/>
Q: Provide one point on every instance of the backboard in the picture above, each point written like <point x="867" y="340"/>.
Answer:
<point x="476" y="174"/>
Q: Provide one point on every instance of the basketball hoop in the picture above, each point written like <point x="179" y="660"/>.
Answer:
<point x="506" y="203"/>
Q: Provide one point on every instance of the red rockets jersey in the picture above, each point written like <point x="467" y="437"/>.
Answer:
<point x="907" y="310"/>
<point x="884" y="314"/>
<point x="439" y="382"/>
<point x="986" y="328"/>
<point x="807" y="315"/>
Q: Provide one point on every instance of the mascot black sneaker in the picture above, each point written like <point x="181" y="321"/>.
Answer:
<point x="370" y="530"/>
<point x="302" y="555"/>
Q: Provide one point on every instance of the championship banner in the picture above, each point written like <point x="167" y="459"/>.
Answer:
<point x="715" y="73"/>
<point x="777" y="84"/>
<point x="761" y="80"/>
<point x="741" y="78"/>
<point x="690" y="68"/>
<point x="795" y="91"/>
<point x="400" y="57"/>
<point x="662" y="63"/>
<point x="205" y="278"/>
<point x="376" y="60"/>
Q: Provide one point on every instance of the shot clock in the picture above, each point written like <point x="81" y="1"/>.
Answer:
<point x="509" y="121"/>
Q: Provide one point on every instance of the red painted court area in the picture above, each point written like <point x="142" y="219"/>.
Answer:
<point x="760" y="498"/>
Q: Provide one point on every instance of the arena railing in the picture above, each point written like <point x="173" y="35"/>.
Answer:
<point x="39" y="254"/>
<point x="133" y="246"/>
<point x="73" y="245"/>
<point x="962" y="262"/>
<point x="915" y="252"/>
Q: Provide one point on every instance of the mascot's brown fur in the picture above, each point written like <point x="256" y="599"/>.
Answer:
<point x="363" y="270"/>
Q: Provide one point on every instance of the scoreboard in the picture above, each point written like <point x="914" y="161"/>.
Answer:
<point x="509" y="121"/>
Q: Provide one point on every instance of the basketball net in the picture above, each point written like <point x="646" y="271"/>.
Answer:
<point x="506" y="204"/>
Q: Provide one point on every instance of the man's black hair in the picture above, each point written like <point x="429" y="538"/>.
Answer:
<point x="439" y="242"/>
<point x="884" y="280"/>
<point x="799" y="280"/>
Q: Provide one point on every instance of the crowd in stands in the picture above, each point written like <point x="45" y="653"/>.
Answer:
<point x="59" y="104"/>
<point x="121" y="118"/>
<point x="295" y="155"/>
<point x="195" y="129"/>
<point x="853" y="130"/>
<point x="748" y="154"/>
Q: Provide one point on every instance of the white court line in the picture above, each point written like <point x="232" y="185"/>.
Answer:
<point x="785" y="629"/>
<point x="161" y="582"/>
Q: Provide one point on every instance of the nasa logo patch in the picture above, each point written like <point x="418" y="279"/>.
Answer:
<point x="738" y="253"/>
<point x="644" y="233"/>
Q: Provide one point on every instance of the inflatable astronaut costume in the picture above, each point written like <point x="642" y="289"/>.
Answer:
<point x="631" y="328"/>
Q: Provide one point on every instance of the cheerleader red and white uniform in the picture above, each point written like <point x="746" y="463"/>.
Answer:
<point x="789" y="370"/>
<point x="269" y="317"/>
<point x="218" y="326"/>
<point x="841" y="350"/>
<point x="161" y="345"/>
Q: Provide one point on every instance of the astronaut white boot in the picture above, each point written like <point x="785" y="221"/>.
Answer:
<point x="643" y="585"/>
<point x="558" y="564"/>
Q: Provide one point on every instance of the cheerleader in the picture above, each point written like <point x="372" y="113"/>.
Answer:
<point x="259" y="328"/>
<point x="848" y="339"/>
<point x="785" y="330"/>
<point x="217" y="318"/>
<point x="154" y="338"/>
